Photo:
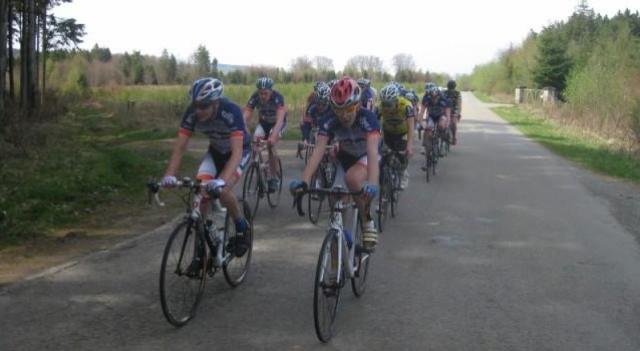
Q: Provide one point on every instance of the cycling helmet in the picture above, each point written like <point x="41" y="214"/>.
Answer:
<point x="317" y="84"/>
<point x="206" y="90"/>
<point x="430" y="86"/>
<point x="323" y="92"/>
<point x="345" y="92"/>
<point x="332" y="83"/>
<point x="364" y="83"/>
<point x="411" y="96"/>
<point x="389" y="93"/>
<point x="264" y="83"/>
<point x="451" y="84"/>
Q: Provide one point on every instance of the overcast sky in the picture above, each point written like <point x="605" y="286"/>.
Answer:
<point x="445" y="36"/>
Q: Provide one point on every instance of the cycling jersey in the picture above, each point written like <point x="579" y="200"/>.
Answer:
<point x="312" y="118"/>
<point x="435" y="107"/>
<point x="394" y="119"/>
<point x="352" y="141"/>
<point x="268" y="110"/>
<point x="366" y="97"/>
<point x="455" y="101"/>
<point x="226" y="124"/>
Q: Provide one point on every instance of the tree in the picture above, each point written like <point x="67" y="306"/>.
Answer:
<point x="365" y="66"/>
<point x="168" y="68"/>
<point x="202" y="61"/>
<point x="323" y="64"/>
<point x="214" y="68"/>
<point x="404" y="62"/>
<point x="4" y="24"/>
<point x="137" y="68"/>
<point x="553" y="65"/>
<point x="100" y="54"/>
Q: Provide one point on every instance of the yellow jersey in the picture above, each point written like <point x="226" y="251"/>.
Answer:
<point x="394" y="118"/>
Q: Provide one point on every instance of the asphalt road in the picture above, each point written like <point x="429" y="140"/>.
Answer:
<point x="506" y="249"/>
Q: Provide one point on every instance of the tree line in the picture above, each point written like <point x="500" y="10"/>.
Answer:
<point x="30" y="24"/>
<point x="593" y="61"/>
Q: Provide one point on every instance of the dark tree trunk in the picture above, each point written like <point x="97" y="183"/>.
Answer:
<point x="4" y="22"/>
<point x="44" y="52"/>
<point x="12" y="89"/>
<point x="27" y="60"/>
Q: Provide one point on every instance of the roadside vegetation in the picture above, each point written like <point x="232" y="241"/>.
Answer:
<point x="593" y="62"/>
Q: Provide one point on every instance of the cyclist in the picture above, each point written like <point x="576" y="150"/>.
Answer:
<point x="316" y="112"/>
<point x="228" y="154"/>
<point x="398" y="120"/>
<point x="455" y="104"/>
<point x="366" y="97"/>
<point x="436" y="106"/>
<point x="358" y="133"/>
<point x="311" y="99"/>
<point x="271" y="124"/>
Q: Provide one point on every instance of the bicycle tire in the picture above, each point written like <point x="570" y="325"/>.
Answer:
<point x="235" y="274"/>
<point x="383" y="201"/>
<point x="326" y="296"/>
<point x="315" y="201"/>
<point x="251" y="188"/>
<point x="359" y="281"/>
<point x="273" y="198"/>
<point x="191" y="232"/>
<point x="395" y="190"/>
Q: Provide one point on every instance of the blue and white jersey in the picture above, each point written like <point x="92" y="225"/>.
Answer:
<point x="268" y="110"/>
<point x="366" y="98"/>
<point x="352" y="141"/>
<point x="315" y="114"/>
<point x="435" y="106"/>
<point x="226" y="124"/>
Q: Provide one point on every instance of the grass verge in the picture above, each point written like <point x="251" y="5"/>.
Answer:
<point x="592" y="154"/>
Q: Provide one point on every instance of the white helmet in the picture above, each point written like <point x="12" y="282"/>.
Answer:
<point x="389" y="93"/>
<point x="206" y="90"/>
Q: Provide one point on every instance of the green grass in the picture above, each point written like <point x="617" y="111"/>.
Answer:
<point x="483" y="97"/>
<point x="592" y="154"/>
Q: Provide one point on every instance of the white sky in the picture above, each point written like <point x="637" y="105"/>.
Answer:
<point x="445" y="36"/>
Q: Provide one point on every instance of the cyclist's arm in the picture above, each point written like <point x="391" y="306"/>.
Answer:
<point x="316" y="157"/>
<point x="282" y="111"/>
<point x="247" y="113"/>
<point x="179" y="147"/>
<point x="373" y="170"/>
<point x="234" y="161"/>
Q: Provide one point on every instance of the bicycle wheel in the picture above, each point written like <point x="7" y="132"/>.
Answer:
<point x="361" y="261"/>
<point x="236" y="265"/>
<point x="274" y="197"/>
<point x="326" y="292"/>
<point x="251" y="188"/>
<point x="427" y="163"/>
<point x="315" y="201"/>
<point x="181" y="286"/>
<point x="383" y="200"/>
<point x="395" y="189"/>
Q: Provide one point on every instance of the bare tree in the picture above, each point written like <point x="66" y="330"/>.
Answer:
<point x="4" y="23"/>
<point x="404" y="62"/>
<point x="365" y="66"/>
<point x="27" y="55"/>
<point x="323" y="63"/>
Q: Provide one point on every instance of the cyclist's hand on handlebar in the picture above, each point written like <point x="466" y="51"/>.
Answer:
<point x="169" y="181"/>
<point x="370" y="190"/>
<point x="297" y="186"/>
<point x="215" y="186"/>
<point x="409" y="151"/>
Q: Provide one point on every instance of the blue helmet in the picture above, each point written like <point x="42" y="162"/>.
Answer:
<point x="389" y="93"/>
<point x="430" y="87"/>
<point x="206" y="90"/>
<point x="264" y="83"/>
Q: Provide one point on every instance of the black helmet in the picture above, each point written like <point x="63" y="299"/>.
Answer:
<point x="451" y="84"/>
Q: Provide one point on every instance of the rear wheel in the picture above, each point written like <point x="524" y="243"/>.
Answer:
<point x="383" y="199"/>
<point x="361" y="262"/>
<point x="274" y="197"/>
<point x="236" y="265"/>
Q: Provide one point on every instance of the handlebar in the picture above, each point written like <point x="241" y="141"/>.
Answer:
<point x="337" y="191"/>
<point x="186" y="182"/>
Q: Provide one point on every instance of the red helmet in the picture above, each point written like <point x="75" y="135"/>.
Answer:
<point x="345" y="93"/>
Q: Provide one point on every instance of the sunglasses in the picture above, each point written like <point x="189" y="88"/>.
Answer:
<point x="202" y="105"/>
<point x="345" y="110"/>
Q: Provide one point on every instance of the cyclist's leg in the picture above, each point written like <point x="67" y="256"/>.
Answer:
<point x="206" y="173"/>
<point x="227" y="197"/>
<point x="355" y="177"/>
<point x="273" y="157"/>
<point x="454" y="129"/>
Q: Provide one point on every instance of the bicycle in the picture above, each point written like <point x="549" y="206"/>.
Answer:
<point x="323" y="178"/>
<point x="197" y="248"/>
<point x="390" y="179"/>
<point x="431" y="152"/>
<point x="255" y="185"/>
<point x="341" y="257"/>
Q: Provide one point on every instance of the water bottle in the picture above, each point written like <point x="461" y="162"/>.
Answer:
<point x="347" y="235"/>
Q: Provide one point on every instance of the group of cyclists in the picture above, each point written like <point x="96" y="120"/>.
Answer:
<point x="341" y="112"/>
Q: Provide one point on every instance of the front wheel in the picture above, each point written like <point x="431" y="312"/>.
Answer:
<point x="315" y="201"/>
<point x="326" y="294"/>
<point x="251" y="188"/>
<point x="182" y="273"/>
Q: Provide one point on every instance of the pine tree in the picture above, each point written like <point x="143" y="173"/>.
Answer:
<point x="553" y="64"/>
